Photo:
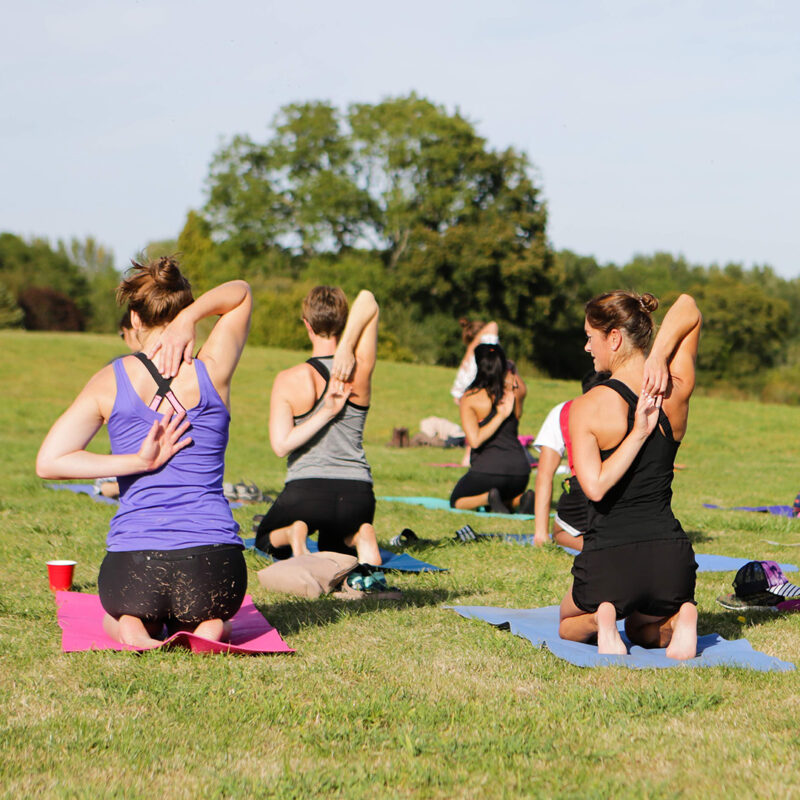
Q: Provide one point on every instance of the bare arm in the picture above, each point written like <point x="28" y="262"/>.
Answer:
<point x="284" y="435"/>
<point x="233" y="303"/>
<point x="672" y="357"/>
<point x="476" y="434"/>
<point x="520" y="392"/>
<point x="549" y="460"/>
<point x="63" y="453"/>
<point x="595" y="476"/>
<point x="358" y="343"/>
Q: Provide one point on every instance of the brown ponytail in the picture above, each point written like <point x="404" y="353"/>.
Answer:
<point x="625" y="311"/>
<point x="156" y="291"/>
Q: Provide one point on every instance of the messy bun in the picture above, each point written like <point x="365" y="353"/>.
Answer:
<point x="156" y="291"/>
<point x="648" y="302"/>
<point x="626" y="311"/>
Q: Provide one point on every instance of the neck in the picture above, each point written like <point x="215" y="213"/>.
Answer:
<point x="148" y="336"/>
<point x="323" y="346"/>
<point x="630" y="371"/>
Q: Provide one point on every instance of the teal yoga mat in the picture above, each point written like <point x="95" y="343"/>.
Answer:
<point x="438" y="504"/>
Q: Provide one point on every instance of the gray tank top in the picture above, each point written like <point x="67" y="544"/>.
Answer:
<point x="337" y="450"/>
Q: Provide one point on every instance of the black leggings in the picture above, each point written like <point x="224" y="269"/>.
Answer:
<point x="474" y="483"/>
<point x="176" y="587"/>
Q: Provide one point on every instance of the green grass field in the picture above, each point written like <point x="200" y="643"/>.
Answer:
<point x="396" y="699"/>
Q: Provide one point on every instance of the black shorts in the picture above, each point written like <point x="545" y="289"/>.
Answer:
<point x="176" y="587"/>
<point x="572" y="509"/>
<point x="336" y="508"/>
<point x="655" y="577"/>
<point x="474" y="483"/>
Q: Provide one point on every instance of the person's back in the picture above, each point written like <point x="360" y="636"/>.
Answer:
<point x="337" y="450"/>
<point x="172" y="555"/>
<point x="317" y="414"/>
<point x="186" y="493"/>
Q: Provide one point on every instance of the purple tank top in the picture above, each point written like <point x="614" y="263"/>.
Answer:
<point x="181" y="504"/>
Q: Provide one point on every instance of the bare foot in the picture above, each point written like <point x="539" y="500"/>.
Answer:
<point x="684" y="633"/>
<point x="129" y="630"/>
<point x="609" y="642"/>
<point x="298" y="539"/>
<point x="214" y="629"/>
<point x="366" y="544"/>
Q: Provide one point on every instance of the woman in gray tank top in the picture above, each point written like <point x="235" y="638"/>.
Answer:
<point x="317" y="414"/>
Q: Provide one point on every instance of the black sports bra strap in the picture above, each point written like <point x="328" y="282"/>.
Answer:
<point x="163" y="392"/>
<point x="489" y="417"/>
<point x="320" y="366"/>
<point x="623" y="390"/>
<point x="632" y="400"/>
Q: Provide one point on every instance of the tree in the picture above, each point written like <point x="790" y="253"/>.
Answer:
<point x="458" y="227"/>
<point x="96" y="263"/>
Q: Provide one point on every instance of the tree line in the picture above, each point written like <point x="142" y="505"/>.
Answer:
<point x="407" y="199"/>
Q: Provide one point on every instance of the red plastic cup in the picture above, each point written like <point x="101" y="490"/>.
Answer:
<point x="60" y="575"/>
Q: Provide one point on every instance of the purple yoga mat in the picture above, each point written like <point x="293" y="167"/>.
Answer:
<point x="81" y="619"/>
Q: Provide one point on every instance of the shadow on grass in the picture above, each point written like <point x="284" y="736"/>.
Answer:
<point x="698" y="536"/>
<point x="290" y="615"/>
<point x="733" y="624"/>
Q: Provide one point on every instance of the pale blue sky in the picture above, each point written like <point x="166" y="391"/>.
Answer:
<point x="652" y="126"/>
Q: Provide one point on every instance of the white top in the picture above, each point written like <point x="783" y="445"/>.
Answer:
<point x="467" y="371"/>
<point x="550" y="433"/>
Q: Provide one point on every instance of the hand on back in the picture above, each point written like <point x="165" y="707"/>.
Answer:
<point x="175" y="344"/>
<point x="336" y="396"/>
<point x="164" y="440"/>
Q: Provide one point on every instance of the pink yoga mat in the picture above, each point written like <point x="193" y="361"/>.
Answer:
<point x="81" y="619"/>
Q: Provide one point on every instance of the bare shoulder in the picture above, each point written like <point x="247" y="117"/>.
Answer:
<point x="596" y="405"/>
<point x="295" y="385"/>
<point x="103" y="380"/>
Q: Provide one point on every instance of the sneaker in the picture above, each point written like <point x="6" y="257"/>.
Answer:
<point x="756" y="602"/>
<point x="527" y="503"/>
<point x="496" y="503"/>
<point x="367" y="581"/>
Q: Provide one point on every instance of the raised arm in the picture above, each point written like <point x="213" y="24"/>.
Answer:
<point x="358" y="344"/>
<point x="674" y="352"/>
<point x="232" y="302"/>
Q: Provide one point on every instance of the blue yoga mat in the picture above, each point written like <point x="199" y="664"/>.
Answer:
<point x="83" y="488"/>
<point x="400" y="562"/>
<point x="88" y="489"/>
<point x="438" y="504"/>
<point x="540" y="627"/>
<point x="780" y="511"/>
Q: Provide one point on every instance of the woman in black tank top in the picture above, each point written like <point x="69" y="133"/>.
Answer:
<point x="490" y="412"/>
<point x="637" y="563"/>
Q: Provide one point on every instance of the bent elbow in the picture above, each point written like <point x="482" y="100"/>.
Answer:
<point x="593" y="492"/>
<point x="44" y="469"/>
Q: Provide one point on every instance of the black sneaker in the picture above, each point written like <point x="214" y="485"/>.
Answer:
<point x="527" y="503"/>
<point x="496" y="503"/>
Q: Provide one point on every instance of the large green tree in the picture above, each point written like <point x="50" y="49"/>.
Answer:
<point x="458" y="227"/>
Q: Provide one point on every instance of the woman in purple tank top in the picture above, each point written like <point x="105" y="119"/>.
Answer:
<point x="173" y="556"/>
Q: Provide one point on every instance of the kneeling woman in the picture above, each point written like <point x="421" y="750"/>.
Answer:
<point x="490" y="410"/>
<point x="637" y="563"/>
<point x="173" y="554"/>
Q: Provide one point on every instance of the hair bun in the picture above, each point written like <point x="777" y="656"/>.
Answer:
<point x="648" y="302"/>
<point x="166" y="273"/>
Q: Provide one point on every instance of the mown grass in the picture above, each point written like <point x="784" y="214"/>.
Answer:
<point x="396" y="699"/>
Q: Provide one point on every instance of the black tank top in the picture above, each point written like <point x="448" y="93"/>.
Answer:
<point x="501" y="453"/>
<point x="639" y="507"/>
